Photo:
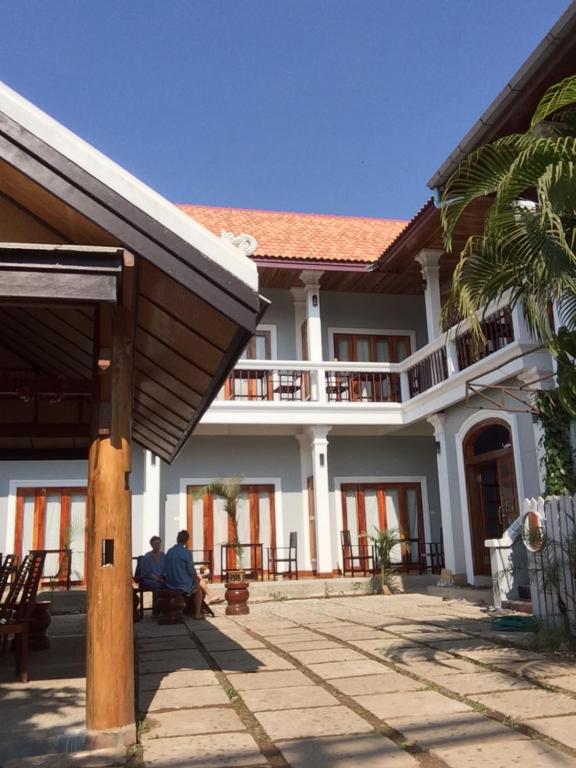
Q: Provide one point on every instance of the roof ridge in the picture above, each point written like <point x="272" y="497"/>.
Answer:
<point x="290" y="213"/>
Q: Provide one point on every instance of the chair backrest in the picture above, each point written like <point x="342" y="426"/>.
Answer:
<point x="346" y="540"/>
<point x="20" y="601"/>
<point x="293" y="542"/>
<point x="6" y="570"/>
<point x="138" y="567"/>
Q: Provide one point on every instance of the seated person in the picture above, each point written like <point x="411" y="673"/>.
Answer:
<point x="180" y="574"/>
<point x="203" y="576"/>
<point x="150" y="572"/>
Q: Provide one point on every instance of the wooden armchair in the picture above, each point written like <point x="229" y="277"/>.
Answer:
<point x="287" y="555"/>
<point x="356" y="558"/>
<point x="15" y="612"/>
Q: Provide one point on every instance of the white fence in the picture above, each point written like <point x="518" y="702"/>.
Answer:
<point x="549" y="535"/>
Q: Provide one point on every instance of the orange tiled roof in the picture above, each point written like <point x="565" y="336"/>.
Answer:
<point x="303" y="236"/>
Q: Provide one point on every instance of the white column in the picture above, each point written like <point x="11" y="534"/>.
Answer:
<point x="307" y="564"/>
<point x="319" y="450"/>
<point x="437" y="421"/>
<point x="452" y="357"/>
<point x="429" y="260"/>
<point x="299" y="317"/>
<point x="311" y="282"/>
<point x="151" y="500"/>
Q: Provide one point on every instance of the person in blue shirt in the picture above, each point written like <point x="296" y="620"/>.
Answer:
<point x="180" y="573"/>
<point x="151" y="566"/>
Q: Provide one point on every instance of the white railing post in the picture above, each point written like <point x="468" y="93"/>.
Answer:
<point x="452" y="357"/>
<point x="404" y="387"/>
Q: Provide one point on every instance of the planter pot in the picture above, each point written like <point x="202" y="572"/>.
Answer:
<point x="40" y="620"/>
<point x="171" y="603"/>
<point x="237" y="595"/>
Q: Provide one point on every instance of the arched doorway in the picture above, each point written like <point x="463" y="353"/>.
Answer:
<point x="491" y="485"/>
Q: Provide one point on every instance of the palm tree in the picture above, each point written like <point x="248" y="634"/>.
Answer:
<point x="230" y="490"/>
<point x="384" y="542"/>
<point x="527" y="247"/>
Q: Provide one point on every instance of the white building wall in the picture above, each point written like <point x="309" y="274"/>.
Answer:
<point x="373" y="311"/>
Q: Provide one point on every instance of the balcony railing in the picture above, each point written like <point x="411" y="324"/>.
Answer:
<point x="498" y="332"/>
<point x="362" y="387"/>
<point x="427" y="372"/>
<point x="335" y="382"/>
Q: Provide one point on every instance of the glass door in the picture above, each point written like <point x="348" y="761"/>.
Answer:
<point x="53" y="519"/>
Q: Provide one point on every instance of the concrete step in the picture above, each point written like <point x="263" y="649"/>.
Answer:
<point x="479" y="595"/>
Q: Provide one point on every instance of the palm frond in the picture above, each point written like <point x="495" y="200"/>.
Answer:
<point x="558" y="96"/>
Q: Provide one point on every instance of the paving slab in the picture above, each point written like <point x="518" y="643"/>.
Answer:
<point x="182" y="679"/>
<point x="186" y="722"/>
<point x="218" y="750"/>
<point x="292" y="637"/>
<point x="542" y="667"/>
<point x="366" y="750"/>
<point x="388" y="706"/>
<point x="308" y="645"/>
<point x="383" y="644"/>
<point x="564" y="681"/>
<point x="501" y="655"/>
<point x="311" y="722"/>
<point x="297" y="697"/>
<point x="533" y="702"/>
<point x="151" y="628"/>
<point x="161" y="644"/>
<point x="454" y="729"/>
<point x="562" y="729"/>
<point x="182" y="698"/>
<point x="270" y="680"/>
<point x="523" y="754"/>
<point x="168" y="663"/>
<point x="232" y="644"/>
<point x="435" y="669"/>
<point x="346" y="668"/>
<point x="486" y="682"/>
<point x="99" y="758"/>
<point x="250" y="661"/>
<point x="389" y="682"/>
<point x="324" y="656"/>
<point x="355" y="633"/>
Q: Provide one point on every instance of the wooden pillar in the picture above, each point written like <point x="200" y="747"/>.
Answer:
<point x="110" y="711"/>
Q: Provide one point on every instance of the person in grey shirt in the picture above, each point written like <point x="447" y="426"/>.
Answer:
<point x="181" y="574"/>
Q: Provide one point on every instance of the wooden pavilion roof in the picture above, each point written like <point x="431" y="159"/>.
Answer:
<point x="76" y="232"/>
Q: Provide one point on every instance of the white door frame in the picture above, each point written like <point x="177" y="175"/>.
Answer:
<point x="472" y="421"/>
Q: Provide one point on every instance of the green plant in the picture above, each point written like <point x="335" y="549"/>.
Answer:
<point x="384" y="541"/>
<point x="231" y="692"/>
<point x="524" y="186"/>
<point x="230" y="490"/>
<point x="555" y="440"/>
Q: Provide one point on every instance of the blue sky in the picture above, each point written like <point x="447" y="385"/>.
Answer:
<point x="333" y="106"/>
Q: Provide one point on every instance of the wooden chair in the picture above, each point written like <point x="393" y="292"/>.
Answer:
<point x="356" y="558"/>
<point x="140" y="590"/>
<point x="205" y="558"/>
<point x="6" y="570"/>
<point x="287" y="555"/>
<point x="16" y="611"/>
<point x="432" y="556"/>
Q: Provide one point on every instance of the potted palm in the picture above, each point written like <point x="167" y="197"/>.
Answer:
<point x="384" y="541"/>
<point x="236" y="586"/>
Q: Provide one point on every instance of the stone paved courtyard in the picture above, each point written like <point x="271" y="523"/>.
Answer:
<point x="397" y="681"/>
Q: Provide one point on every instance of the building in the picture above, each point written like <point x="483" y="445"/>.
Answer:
<point x="350" y="408"/>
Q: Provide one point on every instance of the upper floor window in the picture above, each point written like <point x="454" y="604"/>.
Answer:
<point x="259" y="347"/>
<point x="371" y="348"/>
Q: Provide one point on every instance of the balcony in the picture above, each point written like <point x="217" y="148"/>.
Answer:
<point x="393" y="393"/>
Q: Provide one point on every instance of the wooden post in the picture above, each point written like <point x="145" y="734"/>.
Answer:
<point x="110" y="711"/>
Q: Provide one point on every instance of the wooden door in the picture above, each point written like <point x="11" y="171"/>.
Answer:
<point x="507" y="486"/>
<point x="252" y="384"/>
<point x="210" y="526"/>
<point x="369" y="507"/>
<point x="53" y="519"/>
